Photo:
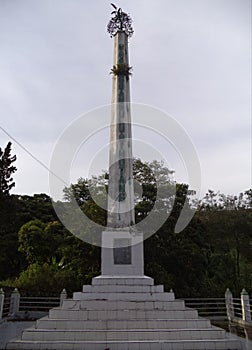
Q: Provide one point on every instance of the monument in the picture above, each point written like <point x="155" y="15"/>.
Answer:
<point x="122" y="309"/>
<point x="122" y="249"/>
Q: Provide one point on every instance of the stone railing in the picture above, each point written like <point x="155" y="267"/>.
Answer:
<point x="16" y="306"/>
<point x="211" y="308"/>
<point x="237" y="310"/>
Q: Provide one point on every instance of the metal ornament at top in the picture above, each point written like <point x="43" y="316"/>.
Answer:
<point x="120" y="22"/>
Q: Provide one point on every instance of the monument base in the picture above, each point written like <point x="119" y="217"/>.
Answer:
<point x="123" y="313"/>
<point x="122" y="253"/>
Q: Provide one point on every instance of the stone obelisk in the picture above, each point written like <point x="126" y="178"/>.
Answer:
<point x="122" y="246"/>
<point x="121" y="192"/>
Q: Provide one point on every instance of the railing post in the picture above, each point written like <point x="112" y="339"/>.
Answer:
<point x="229" y="305"/>
<point x="63" y="296"/>
<point x="246" y="316"/>
<point x="1" y="302"/>
<point x="14" y="302"/>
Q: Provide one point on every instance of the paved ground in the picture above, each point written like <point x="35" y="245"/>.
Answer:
<point x="11" y="330"/>
<point x="247" y="344"/>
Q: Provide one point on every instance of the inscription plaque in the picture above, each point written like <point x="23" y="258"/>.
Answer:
<point x="122" y="251"/>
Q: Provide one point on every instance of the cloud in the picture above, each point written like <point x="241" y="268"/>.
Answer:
<point x="190" y="58"/>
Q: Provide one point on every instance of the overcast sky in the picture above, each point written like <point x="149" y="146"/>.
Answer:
<point x="190" y="58"/>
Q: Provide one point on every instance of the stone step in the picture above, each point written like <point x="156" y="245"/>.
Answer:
<point x="130" y="280"/>
<point x="124" y="296"/>
<point x="122" y="305"/>
<point x="59" y="313"/>
<point x="122" y="335"/>
<point x="207" y="344"/>
<point x="113" y="288"/>
<point x="47" y="323"/>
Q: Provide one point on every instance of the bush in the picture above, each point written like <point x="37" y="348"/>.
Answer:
<point x="47" y="280"/>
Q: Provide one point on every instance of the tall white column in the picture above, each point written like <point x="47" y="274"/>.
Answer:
<point x="122" y="246"/>
<point x="121" y="191"/>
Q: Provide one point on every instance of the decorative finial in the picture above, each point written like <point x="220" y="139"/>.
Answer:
<point x="120" y="21"/>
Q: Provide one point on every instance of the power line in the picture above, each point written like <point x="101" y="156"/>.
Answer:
<point x="32" y="155"/>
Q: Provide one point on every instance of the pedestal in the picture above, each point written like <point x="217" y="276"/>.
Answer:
<point x="122" y="253"/>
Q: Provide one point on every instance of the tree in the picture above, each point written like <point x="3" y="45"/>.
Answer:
<point x="9" y="259"/>
<point x="79" y="192"/>
<point x="39" y="206"/>
<point x="213" y="201"/>
<point x="6" y="170"/>
<point x="212" y="253"/>
<point x="40" y="241"/>
<point x="158" y="252"/>
<point x="47" y="278"/>
<point x="228" y="230"/>
<point x="147" y="177"/>
<point x="153" y="186"/>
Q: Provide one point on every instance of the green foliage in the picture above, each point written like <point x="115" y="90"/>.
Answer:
<point x="80" y="191"/>
<point x="57" y="260"/>
<point x="219" y="201"/>
<point x="91" y="194"/>
<point x="6" y="170"/>
<point x="47" y="279"/>
<point x="80" y="257"/>
<point x="39" y="241"/>
<point x="214" y="252"/>
<point x="229" y="233"/>
<point x="14" y="212"/>
<point x="39" y="206"/>
<point x="121" y="69"/>
<point x="153" y="186"/>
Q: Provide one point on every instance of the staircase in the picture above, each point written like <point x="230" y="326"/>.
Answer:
<point x="123" y="314"/>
